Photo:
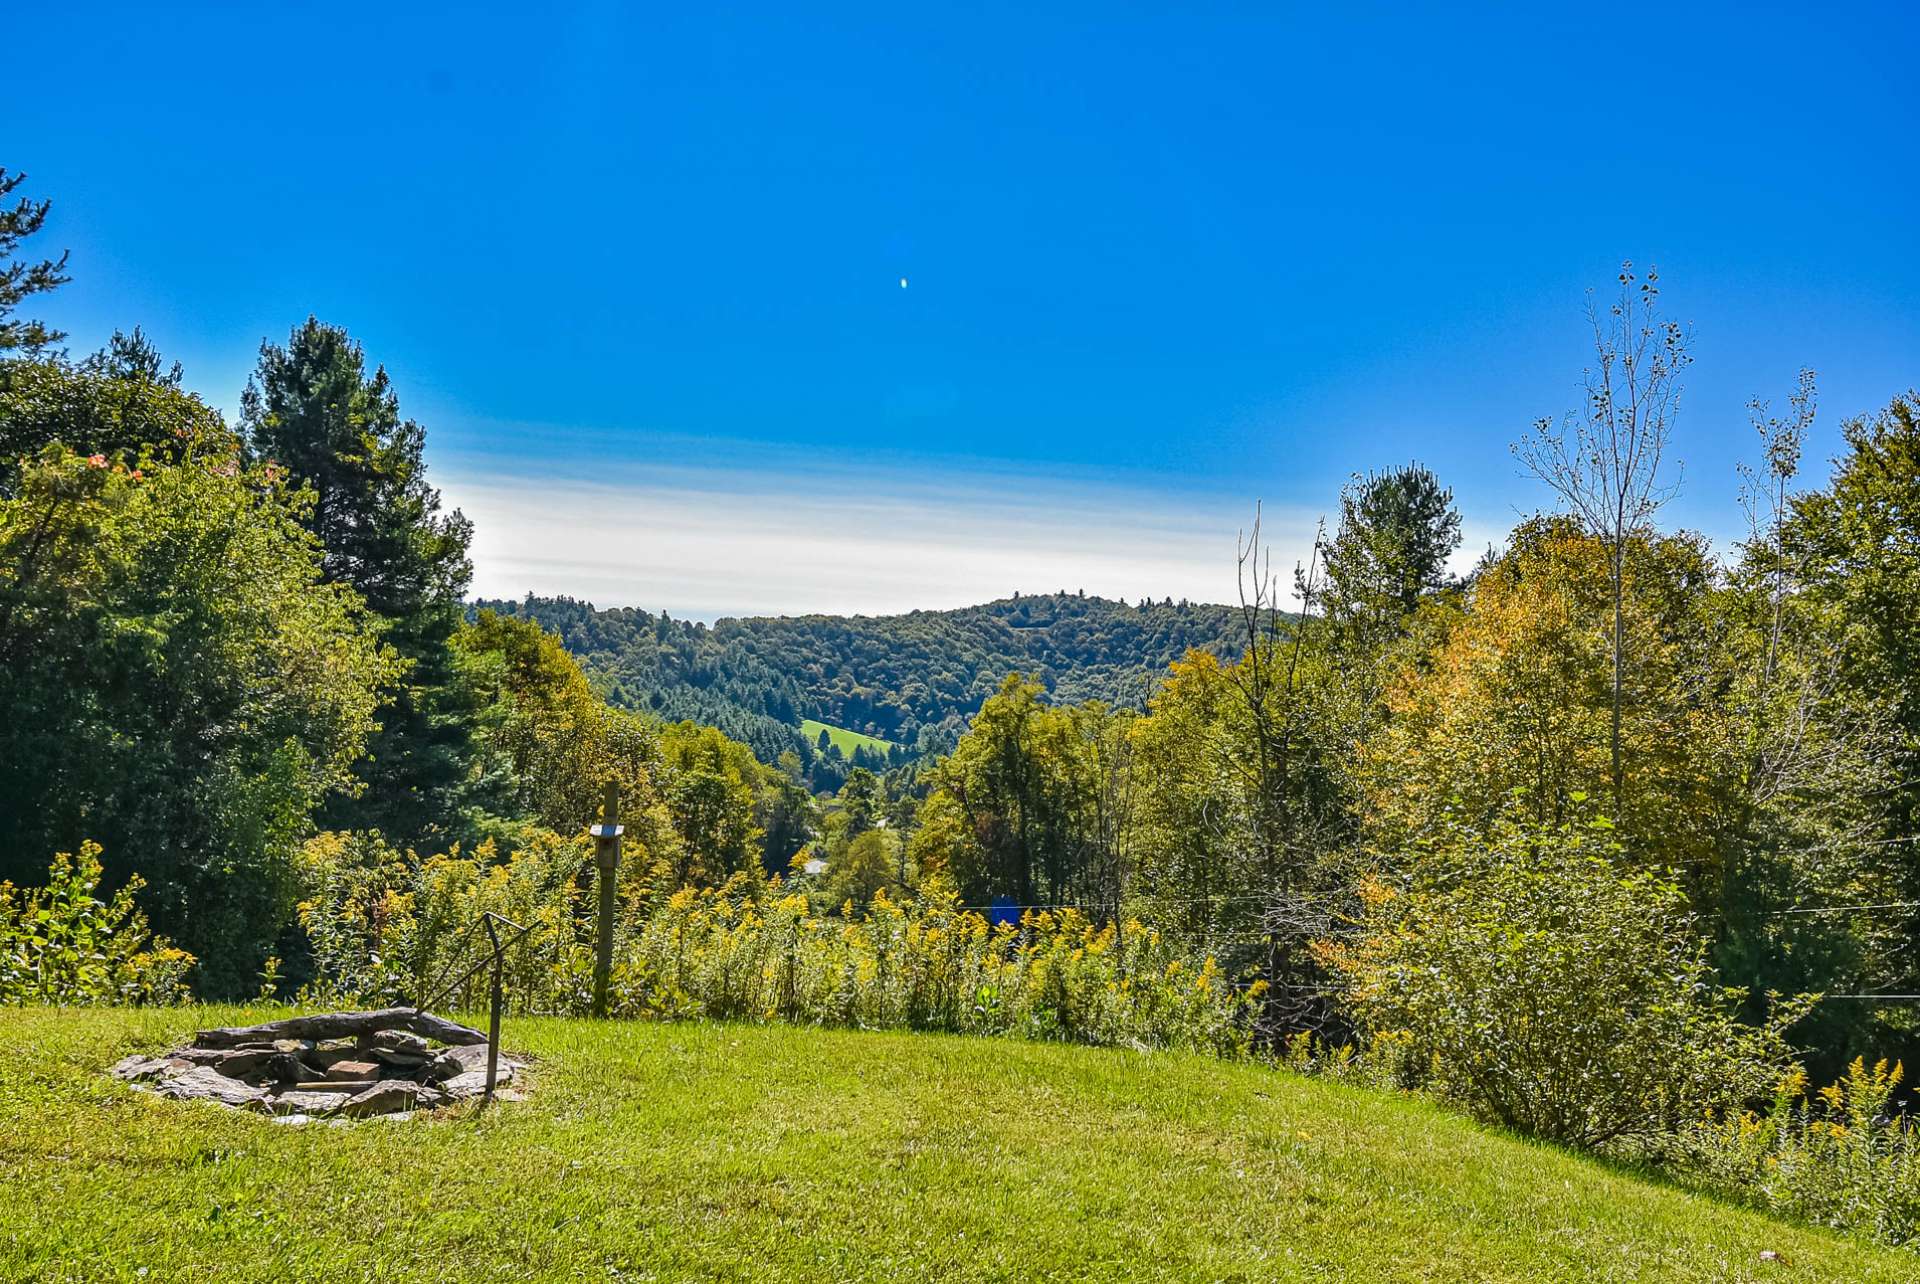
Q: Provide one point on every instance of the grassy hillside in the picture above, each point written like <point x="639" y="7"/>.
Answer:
<point x="892" y="677"/>
<point x="847" y="741"/>
<point x="760" y="1153"/>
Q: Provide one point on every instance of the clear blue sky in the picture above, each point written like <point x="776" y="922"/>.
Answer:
<point x="1159" y="264"/>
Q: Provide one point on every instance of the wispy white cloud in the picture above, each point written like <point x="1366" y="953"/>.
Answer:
<point x="711" y="542"/>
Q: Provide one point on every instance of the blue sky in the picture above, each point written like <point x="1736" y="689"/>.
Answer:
<point x="638" y="268"/>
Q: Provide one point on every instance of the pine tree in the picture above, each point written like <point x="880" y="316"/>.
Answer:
<point x="312" y="409"/>
<point x="1397" y="530"/>
<point x="132" y="357"/>
<point x="22" y="278"/>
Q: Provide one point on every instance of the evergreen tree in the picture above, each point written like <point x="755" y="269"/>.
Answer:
<point x="20" y="278"/>
<point x="1389" y="555"/>
<point x="1397" y="530"/>
<point x="862" y="798"/>
<point x="312" y="409"/>
<point x="134" y="359"/>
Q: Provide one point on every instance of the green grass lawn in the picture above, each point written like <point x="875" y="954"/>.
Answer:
<point x="847" y="740"/>
<point x="667" y="1152"/>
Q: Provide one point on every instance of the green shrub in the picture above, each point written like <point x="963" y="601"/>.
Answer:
<point x="62" y="944"/>
<point x="385" y="924"/>
<point x="1844" y="1158"/>
<point x="1386" y="1062"/>
<point x="1543" y="988"/>
<point x="752" y="950"/>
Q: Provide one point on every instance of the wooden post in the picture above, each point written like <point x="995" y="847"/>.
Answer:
<point x="606" y="854"/>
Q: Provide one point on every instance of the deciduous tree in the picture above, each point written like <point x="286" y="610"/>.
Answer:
<point x="1604" y="461"/>
<point x="179" y="685"/>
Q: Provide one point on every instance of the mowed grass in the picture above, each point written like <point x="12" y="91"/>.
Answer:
<point x="847" y="741"/>
<point x="721" y="1152"/>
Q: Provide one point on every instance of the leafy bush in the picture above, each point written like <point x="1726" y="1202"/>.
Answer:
<point x="1385" y="1063"/>
<point x="62" y="944"/>
<point x="385" y="924"/>
<point x="387" y="927"/>
<point x="1542" y="988"/>
<point x="752" y="950"/>
<point x="1843" y="1158"/>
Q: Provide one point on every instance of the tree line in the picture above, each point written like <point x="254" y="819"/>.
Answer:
<point x="912" y="679"/>
<point x="1742" y="728"/>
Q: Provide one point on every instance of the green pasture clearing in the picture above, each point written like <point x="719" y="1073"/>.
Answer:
<point x="733" y="1152"/>
<point x="848" y="741"/>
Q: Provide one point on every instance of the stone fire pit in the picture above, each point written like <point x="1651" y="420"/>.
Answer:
<point x="344" y="1065"/>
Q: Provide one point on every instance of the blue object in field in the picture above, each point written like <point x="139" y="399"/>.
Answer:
<point x="1003" y="911"/>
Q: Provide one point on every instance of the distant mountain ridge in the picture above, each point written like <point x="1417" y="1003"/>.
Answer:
<point x="912" y="679"/>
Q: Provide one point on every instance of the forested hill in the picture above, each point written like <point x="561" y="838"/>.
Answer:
<point x="910" y="679"/>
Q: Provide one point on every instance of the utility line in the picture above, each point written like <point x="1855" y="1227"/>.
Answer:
<point x="1162" y="900"/>
<point x="1846" y="909"/>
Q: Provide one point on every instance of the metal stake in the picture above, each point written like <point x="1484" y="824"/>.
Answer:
<point x="493" y="1018"/>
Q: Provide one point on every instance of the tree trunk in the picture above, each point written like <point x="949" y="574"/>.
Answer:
<point x="1619" y="592"/>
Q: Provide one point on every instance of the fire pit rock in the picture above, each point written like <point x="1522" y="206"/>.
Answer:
<point x="342" y="1065"/>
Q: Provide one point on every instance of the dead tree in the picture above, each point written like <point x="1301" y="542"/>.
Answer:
<point x="1604" y="461"/>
